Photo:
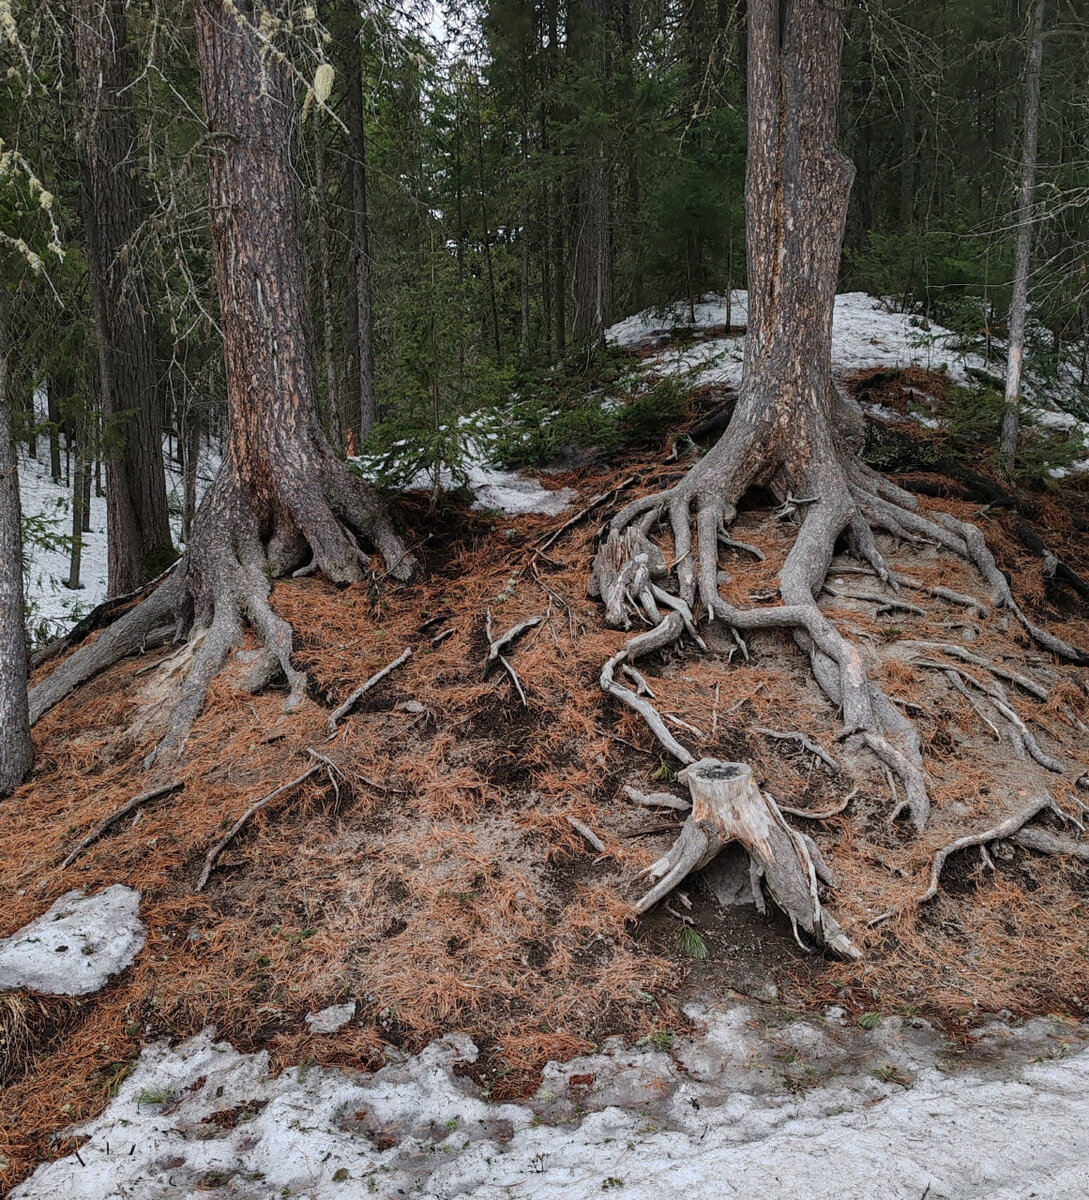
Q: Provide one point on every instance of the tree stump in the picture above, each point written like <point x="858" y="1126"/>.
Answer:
<point x="727" y="806"/>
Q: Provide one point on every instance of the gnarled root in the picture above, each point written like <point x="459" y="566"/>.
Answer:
<point x="727" y="806"/>
<point x="223" y="584"/>
<point x="1013" y="828"/>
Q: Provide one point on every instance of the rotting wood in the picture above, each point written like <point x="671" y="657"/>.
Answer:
<point x="727" y="806"/>
<point x="1004" y="829"/>
<point x="129" y="806"/>
<point x="339" y="713"/>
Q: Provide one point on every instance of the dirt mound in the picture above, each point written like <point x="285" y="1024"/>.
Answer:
<point x="437" y="879"/>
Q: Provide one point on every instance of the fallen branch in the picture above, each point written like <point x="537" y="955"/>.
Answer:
<point x="579" y="827"/>
<point x="341" y="712"/>
<point x="216" y="850"/>
<point x="811" y="746"/>
<point x="1003" y="829"/>
<point x="129" y="806"/>
<point x="595" y="502"/>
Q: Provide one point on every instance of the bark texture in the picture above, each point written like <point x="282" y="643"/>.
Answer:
<point x="139" y="542"/>
<point x="1011" y="419"/>
<point x="281" y="492"/>
<point x="15" y="751"/>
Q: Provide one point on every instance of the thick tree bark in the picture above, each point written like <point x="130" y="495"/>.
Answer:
<point x="281" y="491"/>
<point x="1025" y="226"/>
<point x="592" y="228"/>
<point x="15" y="750"/>
<point x="361" y="249"/>
<point x="137" y="516"/>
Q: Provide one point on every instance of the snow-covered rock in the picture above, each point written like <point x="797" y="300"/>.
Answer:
<point x="76" y="945"/>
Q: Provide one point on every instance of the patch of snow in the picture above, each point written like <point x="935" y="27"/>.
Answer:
<point x="330" y="1019"/>
<point x="74" y="947"/>
<point x="48" y="505"/>
<point x="716" y="1116"/>
<point x="512" y="493"/>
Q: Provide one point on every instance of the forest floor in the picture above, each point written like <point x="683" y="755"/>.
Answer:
<point x="435" y="880"/>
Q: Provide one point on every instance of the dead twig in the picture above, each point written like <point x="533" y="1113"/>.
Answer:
<point x="820" y="816"/>
<point x="216" y="850"/>
<point x="129" y="806"/>
<point x="338" y="713"/>
<point x="793" y="735"/>
<point x="579" y="827"/>
<point x="595" y="502"/>
<point x="497" y="644"/>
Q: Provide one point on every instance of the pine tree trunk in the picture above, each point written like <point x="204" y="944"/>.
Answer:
<point x="15" y="748"/>
<point x="54" y="431"/>
<point x="1025" y="226"/>
<point x="361" y="250"/>
<point x="281" y="491"/>
<point x="138" y="520"/>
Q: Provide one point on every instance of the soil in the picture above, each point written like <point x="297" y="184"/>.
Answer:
<point x="438" y="881"/>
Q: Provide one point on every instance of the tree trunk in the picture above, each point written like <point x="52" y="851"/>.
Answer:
<point x="79" y="474"/>
<point x="137" y="515"/>
<point x="281" y="490"/>
<point x="15" y="749"/>
<point x="361" y="250"/>
<point x="54" y="431"/>
<point x="1025" y="227"/>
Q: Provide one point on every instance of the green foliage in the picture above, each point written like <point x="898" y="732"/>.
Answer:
<point x="690" y="943"/>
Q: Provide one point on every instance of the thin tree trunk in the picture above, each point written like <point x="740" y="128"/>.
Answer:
<point x="54" y="431"/>
<point x="1025" y="227"/>
<point x="15" y="747"/>
<point x="75" y="559"/>
<point x="137" y="516"/>
<point x="192" y="464"/>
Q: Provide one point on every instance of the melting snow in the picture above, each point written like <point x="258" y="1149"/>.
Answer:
<point x="74" y="947"/>
<point x="715" y="1117"/>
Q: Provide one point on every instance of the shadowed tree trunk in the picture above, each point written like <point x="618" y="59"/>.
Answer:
<point x="281" y="494"/>
<point x="15" y="750"/>
<point x="137" y="517"/>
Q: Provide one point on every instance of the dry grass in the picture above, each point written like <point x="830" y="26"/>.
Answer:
<point x="444" y="888"/>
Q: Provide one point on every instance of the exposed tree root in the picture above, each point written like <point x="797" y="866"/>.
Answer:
<point x="727" y="806"/>
<point x="241" y="543"/>
<point x="129" y="806"/>
<point x="1011" y="828"/>
<point x="837" y="495"/>
<point x="806" y="743"/>
<point x="338" y="714"/>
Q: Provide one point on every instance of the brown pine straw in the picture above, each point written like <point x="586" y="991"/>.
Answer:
<point x="445" y="889"/>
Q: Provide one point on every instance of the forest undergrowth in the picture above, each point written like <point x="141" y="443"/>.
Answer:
<point x="436" y="878"/>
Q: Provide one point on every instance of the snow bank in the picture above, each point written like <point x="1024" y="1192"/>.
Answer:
<point x="74" y="947"/>
<point x="791" y="1112"/>
<point x="864" y="334"/>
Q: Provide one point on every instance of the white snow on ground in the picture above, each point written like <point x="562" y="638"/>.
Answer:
<point x="865" y="333"/>
<point x="73" y="948"/>
<point x="47" y="511"/>
<point x="713" y="1118"/>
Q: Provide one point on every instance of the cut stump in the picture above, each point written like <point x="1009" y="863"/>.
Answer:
<point x="727" y="806"/>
